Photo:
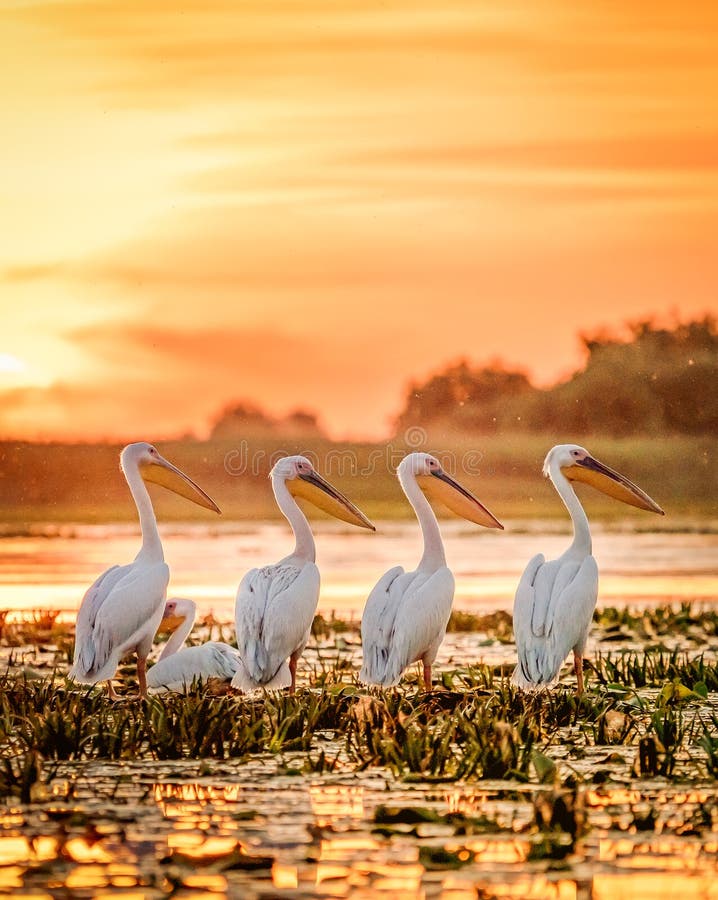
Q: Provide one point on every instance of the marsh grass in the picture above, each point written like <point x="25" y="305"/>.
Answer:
<point x="656" y="707"/>
<point x="451" y="735"/>
<point x="37" y="627"/>
<point x="633" y="669"/>
<point x="709" y="744"/>
<point x="648" y="623"/>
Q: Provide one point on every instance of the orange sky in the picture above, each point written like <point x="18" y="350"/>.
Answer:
<point x="309" y="202"/>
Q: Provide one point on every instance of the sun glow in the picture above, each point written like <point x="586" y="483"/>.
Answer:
<point x="11" y="364"/>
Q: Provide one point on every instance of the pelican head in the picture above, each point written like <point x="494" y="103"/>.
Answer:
<point x="176" y="613"/>
<point x="437" y="485"/>
<point x="153" y="467"/>
<point x="577" y="464"/>
<point x="303" y="480"/>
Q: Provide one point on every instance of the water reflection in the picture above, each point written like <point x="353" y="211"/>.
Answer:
<point x="654" y="886"/>
<point x="251" y="832"/>
<point x="207" y="562"/>
<point x="284" y="876"/>
<point x="330" y="802"/>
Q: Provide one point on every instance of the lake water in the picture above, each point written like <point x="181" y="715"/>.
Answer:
<point x="51" y="567"/>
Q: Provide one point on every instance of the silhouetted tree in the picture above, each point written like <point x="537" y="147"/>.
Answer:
<point x="246" y="419"/>
<point x="463" y="395"/>
<point x="239" y="418"/>
<point x="658" y="380"/>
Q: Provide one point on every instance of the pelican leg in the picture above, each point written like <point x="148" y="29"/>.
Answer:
<point x="111" y="692"/>
<point x="293" y="673"/>
<point x="578" y="667"/>
<point x="142" y="675"/>
<point x="427" y="677"/>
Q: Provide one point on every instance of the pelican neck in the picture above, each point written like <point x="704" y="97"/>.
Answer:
<point x="433" y="557"/>
<point x="581" y="544"/>
<point x="304" y="547"/>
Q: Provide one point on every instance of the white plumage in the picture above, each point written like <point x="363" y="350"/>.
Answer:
<point x="122" y="610"/>
<point x="404" y="620"/>
<point x="276" y="604"/>
<point x="178" y="667"/>
<point x="554" y="602"/>
<point x="553" y="609"/>
<point x="119" y="614"/>
<point x="406" y="614"/>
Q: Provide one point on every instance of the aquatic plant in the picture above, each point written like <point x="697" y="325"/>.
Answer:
<point x="477" y="726"/>
<point x="653" y="668"/>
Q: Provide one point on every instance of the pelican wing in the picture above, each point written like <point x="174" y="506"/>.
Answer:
<point x="213" y="659"/>
<point x="553" y="609"/>
<point x="273" y="618"/>
<point x="377" y="619"/>
<point x="94" y="597"/>
<point x="525" y="600"/>
<point x="404" y="620"/>
<point x="123" y="615"/>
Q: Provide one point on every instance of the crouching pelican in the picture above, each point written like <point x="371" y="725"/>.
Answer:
<point x="276" y="604"/>
<point x="555" y="600"/>
<point x="177" y="669"/>
<point x="406" y="615"/>
<point x="121" y="611"/>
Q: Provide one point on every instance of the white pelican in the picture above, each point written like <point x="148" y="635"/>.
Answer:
<point x="555" y="600"/>
<point x="178" y="668"/>
<point x="406" y="615"/>
<point x="276" y="604"/>
<point x="121" y="611"/>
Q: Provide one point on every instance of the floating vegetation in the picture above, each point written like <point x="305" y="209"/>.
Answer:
<point x="474" y="786"/>
<point x="648" y="623"/>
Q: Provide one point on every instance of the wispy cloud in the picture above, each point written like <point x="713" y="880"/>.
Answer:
<point x="35" y="272"/>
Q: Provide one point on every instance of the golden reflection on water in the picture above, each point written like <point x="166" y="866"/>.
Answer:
<point x="192" y="798"/>
<point x="284" y="876"/>
<point x="403" y="881"/>
<point x="612" y="797"/>
<point x="207" y="882"/>
<point x="498" y="850"/>
<point x="89" y="876"/>
<point x="522" y="887"/>
<point x="628" y="797"/>
<point x="464" y="800"/>
<point x="10" y="876"/>
<point x="337" y="848"/>
<point x="19" y="849"/>
<point x="654" y="886"/>
<point x="197" y="846"/>
<point x="126" y="895"/>
<point x="37" y="572"/>
<point x="667" y="852"/>
<point x="82" y="851"/>
<point x="327" y="849"/>
<point x="331" y="802"/>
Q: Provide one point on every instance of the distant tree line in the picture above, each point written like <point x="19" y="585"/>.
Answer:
<point x="246" y="419"/>
<point x="657" y="380"/>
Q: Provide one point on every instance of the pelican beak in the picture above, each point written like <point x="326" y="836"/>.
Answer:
<point x="608" y="481"/>
<point x="171" y="623"/>
<point x="320" y="493"/>
<point x="160" y="471"/>
<point x="442" y="487"/>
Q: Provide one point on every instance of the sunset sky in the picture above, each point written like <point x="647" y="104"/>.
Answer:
<point x="309" y="202"/>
